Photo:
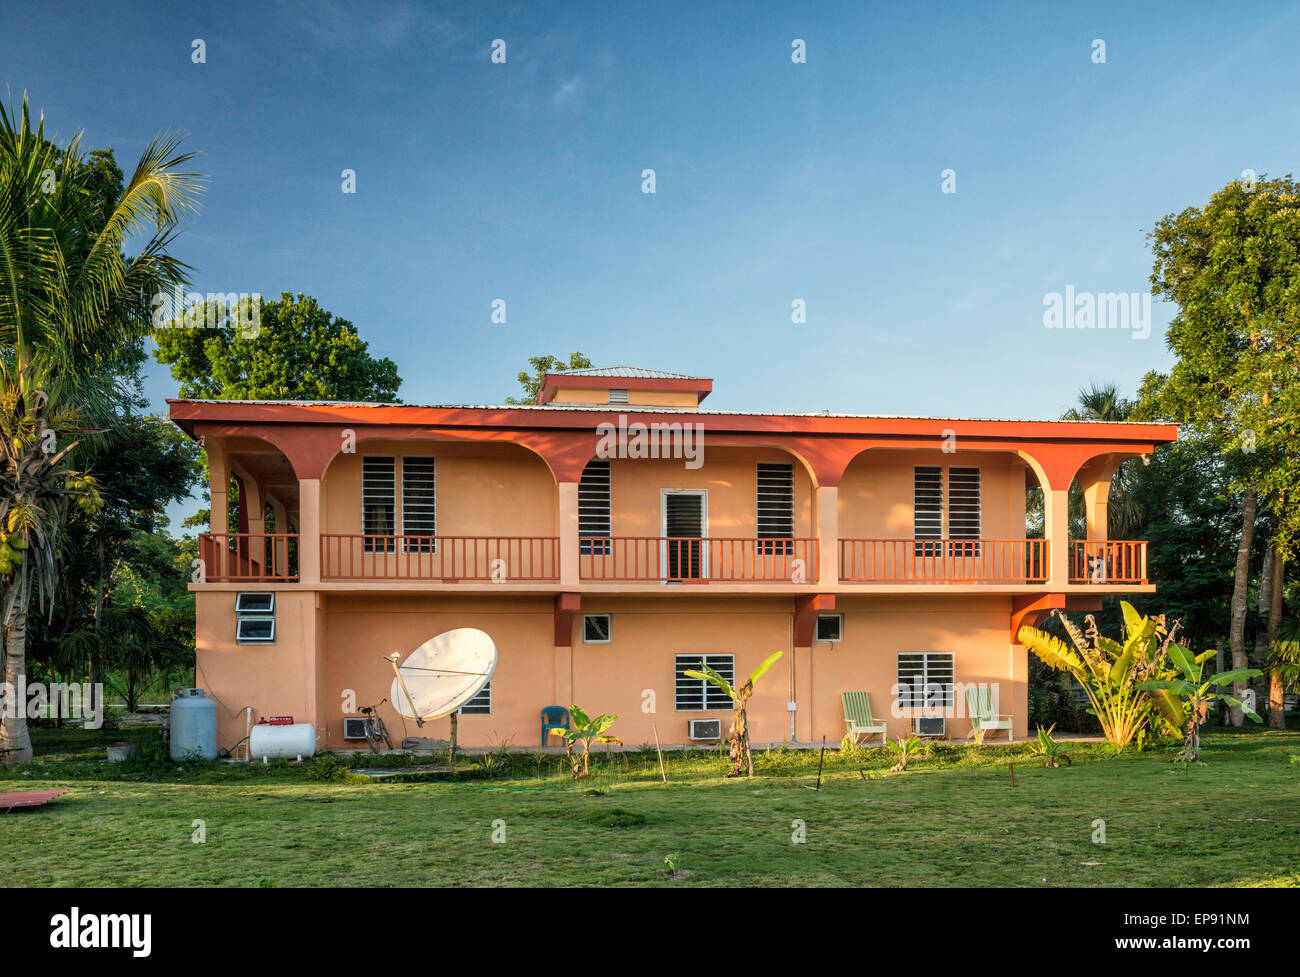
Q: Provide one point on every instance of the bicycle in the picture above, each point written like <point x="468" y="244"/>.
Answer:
<point x="376" y="731"/>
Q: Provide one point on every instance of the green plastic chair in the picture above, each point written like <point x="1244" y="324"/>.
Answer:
<point x="857" y="717"/>
<point x="553" y="717"/>
<point x="979" y="707"/>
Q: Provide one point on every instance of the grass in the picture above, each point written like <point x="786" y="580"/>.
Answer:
<point x="951" y="819"/>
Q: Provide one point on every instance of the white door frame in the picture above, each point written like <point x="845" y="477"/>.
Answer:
<point x="703" y="495"/>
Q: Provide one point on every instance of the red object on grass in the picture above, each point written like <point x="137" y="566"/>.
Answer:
<point x="28" y="798"/>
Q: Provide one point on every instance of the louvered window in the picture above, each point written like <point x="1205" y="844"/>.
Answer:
<point x="925" y="679"/>
<point x="775" y="507"/>
<point x="419" y="504"/>
<point x="481" y="704"/>
<point x="964" y="511"/>
<point x="618" y="396"/>
<point x="378" y="503"/>
<point x="697" y="694"/>
<point x="594" y="519"/>
<point x="927" y="508"/>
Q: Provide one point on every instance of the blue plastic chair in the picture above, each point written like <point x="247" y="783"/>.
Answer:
<point x="553" y="717"/>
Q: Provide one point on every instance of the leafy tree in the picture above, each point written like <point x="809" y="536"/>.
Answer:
<point x="73" y="306"/>
<point x="542" y="365"/>
<point x="1233" y="268"/>
<point x="296" y="351"/>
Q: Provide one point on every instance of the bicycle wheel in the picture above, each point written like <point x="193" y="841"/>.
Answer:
<point x="372" y="735"/>
<point x="382" y="730"/>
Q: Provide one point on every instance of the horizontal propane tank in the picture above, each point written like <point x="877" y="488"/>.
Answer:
<point x="269" y="742"/>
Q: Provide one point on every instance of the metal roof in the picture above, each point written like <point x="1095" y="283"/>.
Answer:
<point x="640" y="409"/>
<point x="625" y="371"/>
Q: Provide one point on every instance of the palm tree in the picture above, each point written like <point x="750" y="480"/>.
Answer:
<point x="72" y="306"/>
<point x="1102" y="402"/>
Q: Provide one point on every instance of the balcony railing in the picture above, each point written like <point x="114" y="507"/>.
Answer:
<point x="943" y="560"/>
<point x="450" y="559"/>
<point x="676" y="559"/>
<point x="1108" y="561"/>
<point x="254" y="557"/>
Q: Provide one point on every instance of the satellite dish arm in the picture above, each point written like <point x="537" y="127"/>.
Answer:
<point x="419" y="720"/>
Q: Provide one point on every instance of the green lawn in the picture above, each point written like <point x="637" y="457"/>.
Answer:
<point x="952" y="819"/>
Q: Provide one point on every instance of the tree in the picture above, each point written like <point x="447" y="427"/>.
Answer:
<point x="1233" y="268"/>
<point x="295" y="351"/>
<point x="542" y="365"/>
<point x="72" y="306"/>
<point x="1194" y="694"/>
<point x="1110" y="671"/>
<point x="1104" y="403"/>
<point x="742" y="759"/>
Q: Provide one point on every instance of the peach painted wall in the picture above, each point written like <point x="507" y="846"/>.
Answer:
<point x="483" y="489"/>
<point x="875" y="497"/>
<point x="357" y="631"/>
<point x="730" y="475"/>
<point x="276" y="680"/>
<point x="688" y="399"/>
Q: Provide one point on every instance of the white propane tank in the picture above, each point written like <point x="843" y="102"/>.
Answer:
<point x="297" y="740"/>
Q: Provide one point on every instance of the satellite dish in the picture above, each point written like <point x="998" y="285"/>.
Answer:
<point x="443" y="674"/>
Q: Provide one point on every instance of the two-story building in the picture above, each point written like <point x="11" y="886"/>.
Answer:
<point x="615" y="533"/>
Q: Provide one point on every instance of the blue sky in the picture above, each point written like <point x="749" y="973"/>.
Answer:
<point x="775" y="181"/>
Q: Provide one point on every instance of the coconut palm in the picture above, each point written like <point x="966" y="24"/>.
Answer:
<point x="1102" y="402"/>
<point x="72" y="307"/>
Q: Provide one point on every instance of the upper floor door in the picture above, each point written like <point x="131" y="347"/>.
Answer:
<point x="685" y="524"/>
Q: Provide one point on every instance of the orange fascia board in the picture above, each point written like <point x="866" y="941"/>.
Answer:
<point x="240" y="414"/>
<point x="552" y="382"/>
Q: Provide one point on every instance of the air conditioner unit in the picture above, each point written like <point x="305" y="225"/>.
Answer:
<point x="705" y="729"/>
<point x="354" y="727"/>
<point x="929" y="726"/>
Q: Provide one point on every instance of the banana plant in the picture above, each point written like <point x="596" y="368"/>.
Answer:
<point x="1188" y="698"/>
<point x="738" y="738"/>
<point x="585" y="730"/>
<point x="1112" y="672"/>
<point x="1051" y="751"/>
<point x="905" y="750"/>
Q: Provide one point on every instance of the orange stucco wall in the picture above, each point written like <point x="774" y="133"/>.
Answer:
<point x="631" y="676"/>
<point x="492" y="489"/>
<point x="688" y="399"/>
<point x="875" y="498"/>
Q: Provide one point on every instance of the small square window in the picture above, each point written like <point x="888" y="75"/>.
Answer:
<point x="481" y="704"/>
<point x="618" y="396"/>
<point x="830" y="627"/>
<point x="596" y="629"/>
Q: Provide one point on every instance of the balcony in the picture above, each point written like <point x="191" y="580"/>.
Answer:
<point x="1108" y="561"/>
<point x="253" y="557"/>
<point x="944" y="561"/>
<point x="447" y="559"/>
<point x="697" y="560"/>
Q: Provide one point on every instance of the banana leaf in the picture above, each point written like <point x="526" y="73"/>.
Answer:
<point x="759" y="672"/>
<point x="1236" y="675"/>
<point x="1185" y="662"/>
<point x="1051" y="650"/>
<point x="1239" y="705"/>
<point x="1133" y="621"/>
